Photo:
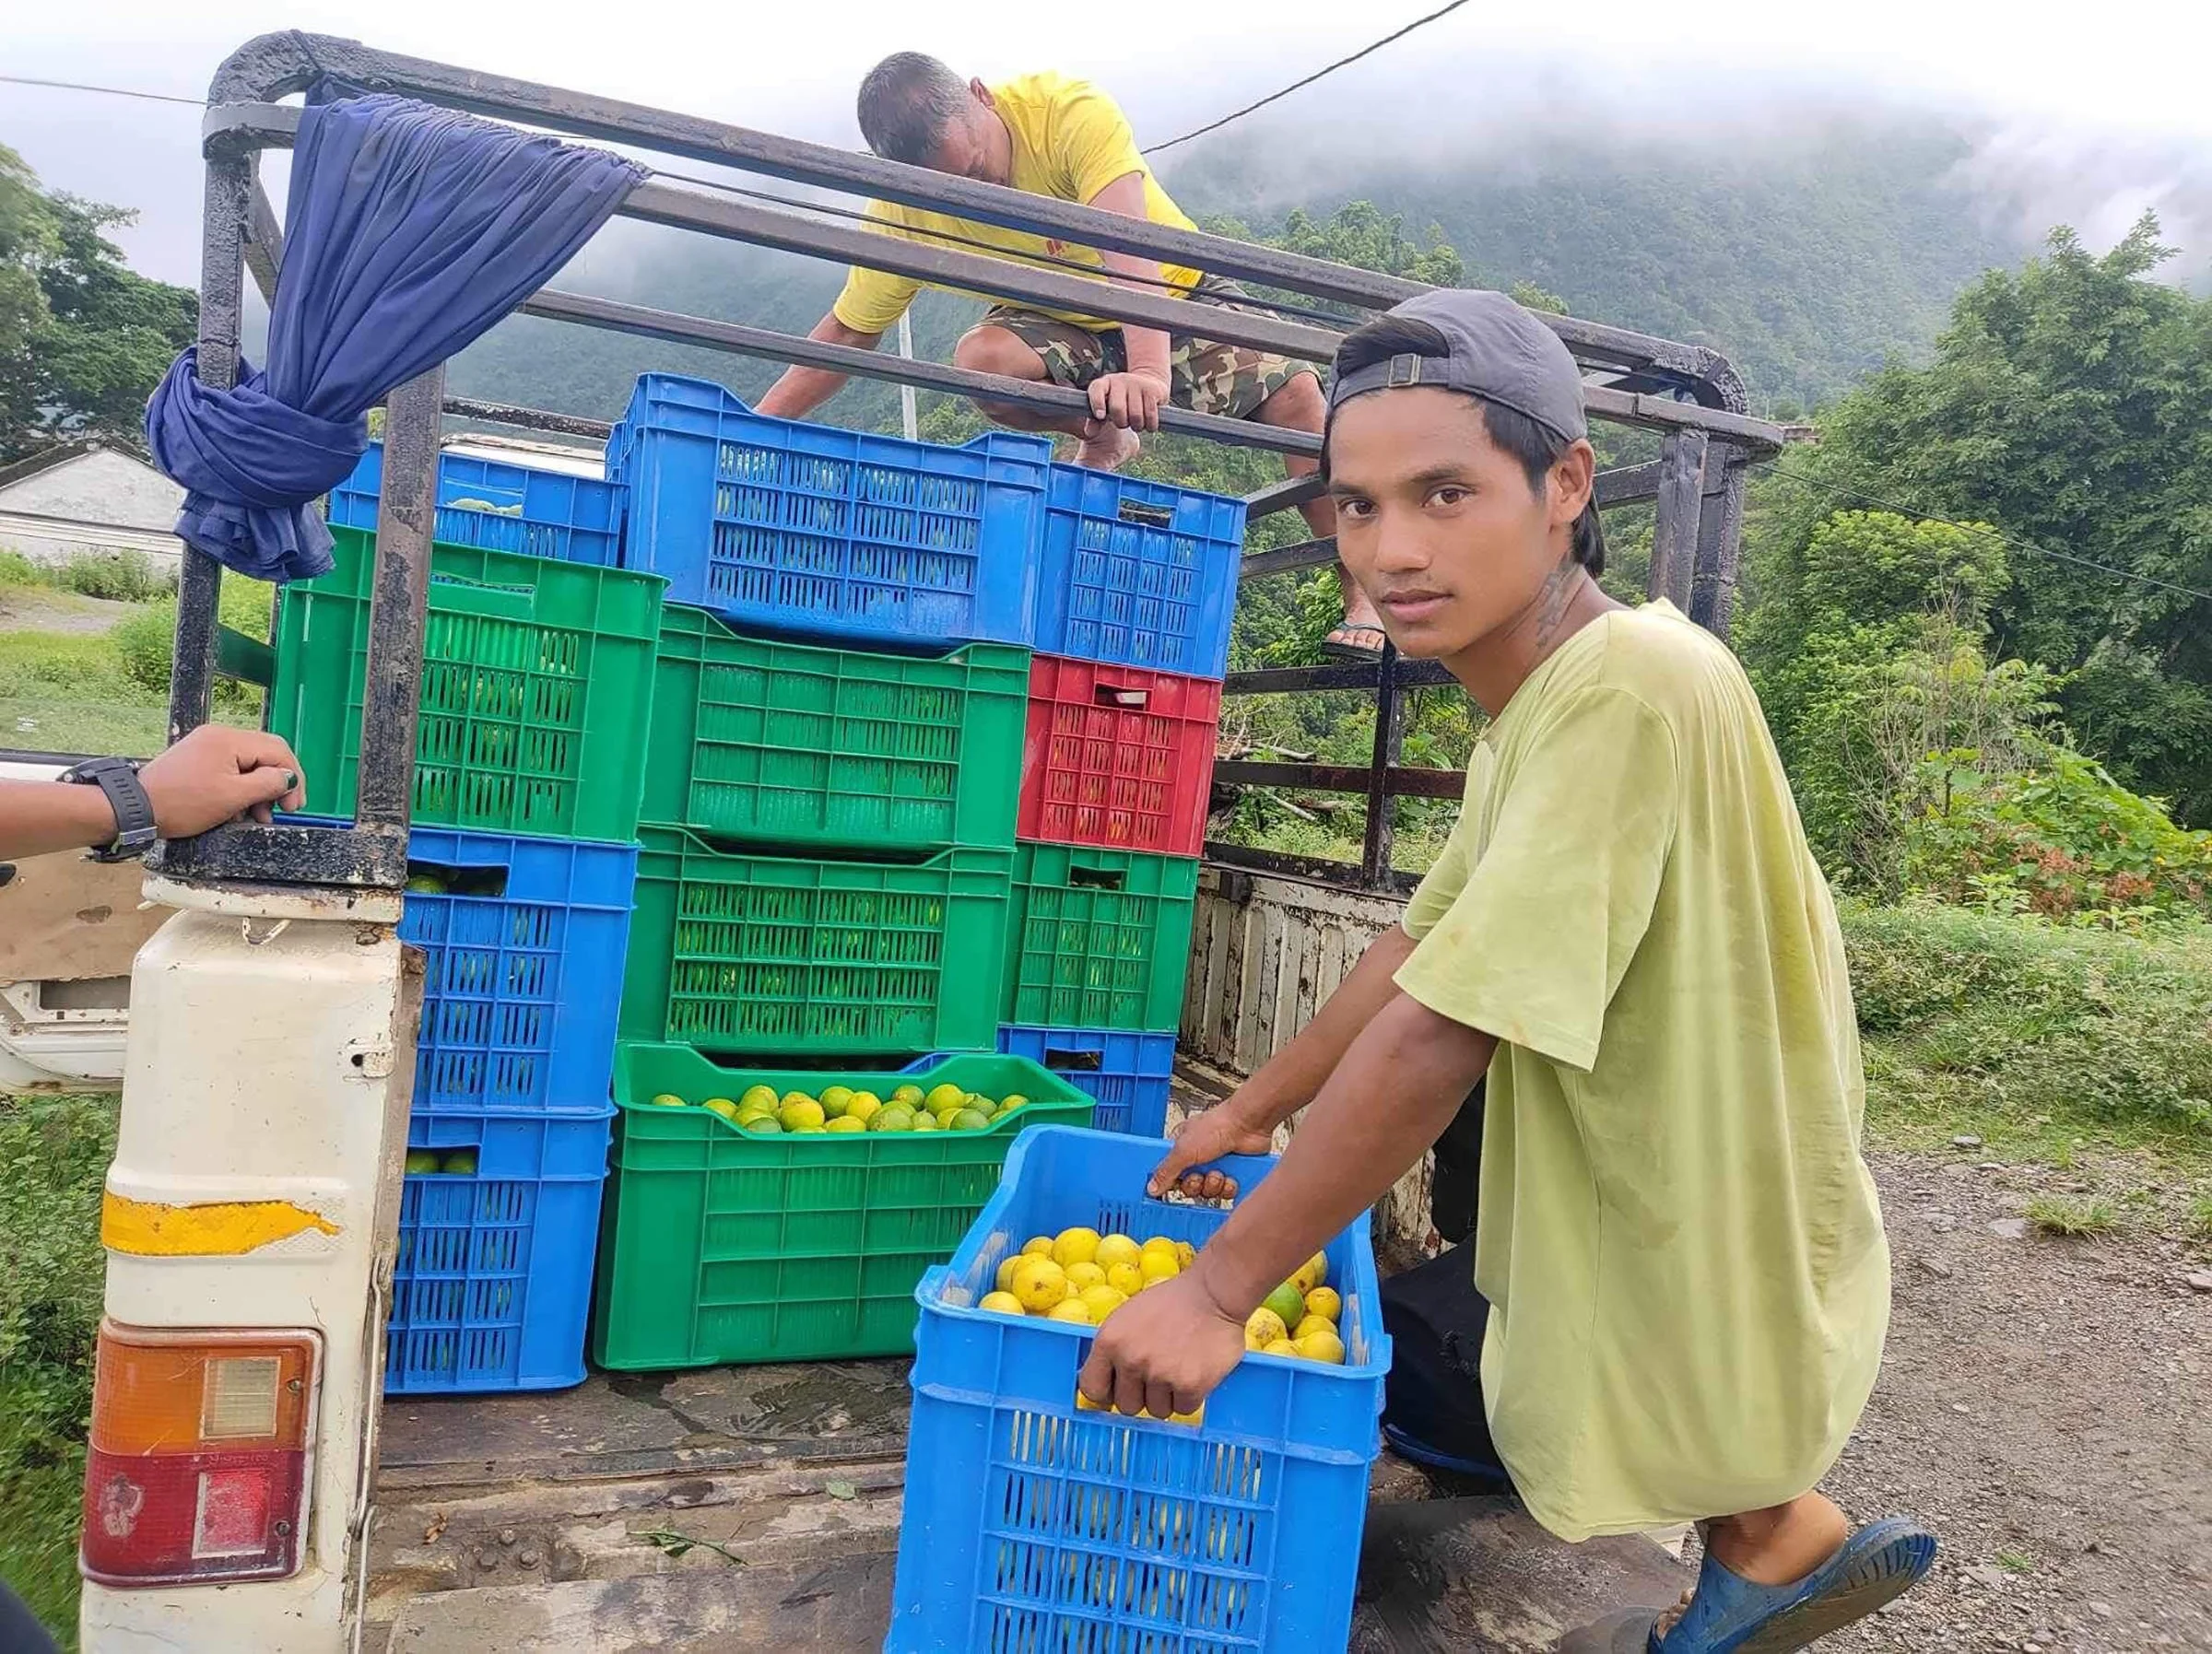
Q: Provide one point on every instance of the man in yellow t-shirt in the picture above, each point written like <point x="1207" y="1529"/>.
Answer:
<point x="1052" y="135"/>
<point x="1677" y="1236"/>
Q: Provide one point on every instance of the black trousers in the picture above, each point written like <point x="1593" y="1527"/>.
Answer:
<point x="19" y="1632"/>
<point x="1432" y="1409"/>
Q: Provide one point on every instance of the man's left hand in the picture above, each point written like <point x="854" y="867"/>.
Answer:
<point x="1164" y="1351"/>
<point x="1131" y="400"/>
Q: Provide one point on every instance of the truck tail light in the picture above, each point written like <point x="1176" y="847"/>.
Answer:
<point x="199" y="1458"/>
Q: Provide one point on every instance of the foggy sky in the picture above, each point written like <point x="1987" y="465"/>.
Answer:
<point x="2071" y="122"/>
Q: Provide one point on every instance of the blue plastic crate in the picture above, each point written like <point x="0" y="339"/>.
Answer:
<point x="1128" y="1074"/>
<point x="524" y="976"/>
<point x="1032" y="1523"/>
<point x="820" y="532"/>
<point x="500" y="507"/>
<point x="494" y="1275"/>
<point x="1138" y="573"/>
<point x="524" y="969"/>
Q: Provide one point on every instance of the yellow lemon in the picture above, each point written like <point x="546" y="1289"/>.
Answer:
<point x="1004" y="1280"/>
<point x="1039" y="1284"/>
<point x="944" y="1097"/>
<point x="1069" y="1309"/>
<point x="722" y="1105"/>
<point x="1075" y="1246"/>
<point x="1082" y="1277"/>
<point x="846" y="1122"/>
<point x="758" y="1100"/>
<point x="1281" y="1347"/>
<point x="1116" y="1248"/>
<point x="1002" y="1303"/>
<point x="866" y="1106"/>
<point x="1263" y="1328"/>
<point x="836" y="1099"/>
<point x="1313" y="1324"/>
<point x="1101" y="1302"/>
<point x="1157" y="1267"/>
<point x="1126" y="1278"/>
<point x="909" y="1094"/>
<point x="1322" y="1301"/>
<point x="667" y="1099"/>
<point x="1313" y="1272"/>
<point x="1159" y="1243"/>
<point x="1323" y="1347"/>
<point x="799" y="1112"/>
<point x="1186" y="1252"/>
<point x="1037" y="1246"/>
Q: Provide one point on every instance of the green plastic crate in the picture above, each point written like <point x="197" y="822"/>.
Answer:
<point x="1099" y="938"/>
<point x="785" y="744"/>
<point x="740" y="952"/>
<point x="536" y="681"/>
<point x="719" y="1246"/>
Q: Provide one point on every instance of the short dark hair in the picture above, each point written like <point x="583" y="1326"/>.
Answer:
<point x="906" y="102"/>
<point x="1536" y="447"/>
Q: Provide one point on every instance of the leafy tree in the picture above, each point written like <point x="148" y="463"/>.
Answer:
<point x="2070" y="406"/>
<point x="84" y="339"/>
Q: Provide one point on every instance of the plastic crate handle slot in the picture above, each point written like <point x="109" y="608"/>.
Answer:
<point x="1191" y="1421"/>
<point x="1097" y="878"/>
<point x="1107" y="695"/>
<point x="470" y="597"/>
<point x="1151" y="516"/>
<point x="457" y="878"/>
<point x="1075" y="1059"/>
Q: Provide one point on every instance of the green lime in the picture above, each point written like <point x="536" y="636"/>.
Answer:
<point x="836" y="1099"/>
<point x="764" y="1125"/>
<point x="893" y="1119"/>
<point x="972" y="1119"/>
<point x="426" y="884"/>
<point x="420" y="1162"/>
<point x="759" y="1097"/>
<point x="667" y="1099"/>
<point x="461" y="1161"/>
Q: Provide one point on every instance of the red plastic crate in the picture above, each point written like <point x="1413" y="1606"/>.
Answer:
<point x="1117" y="756"/>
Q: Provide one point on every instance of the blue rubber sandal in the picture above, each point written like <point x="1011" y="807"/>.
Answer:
<point x="1729" y="1614"/>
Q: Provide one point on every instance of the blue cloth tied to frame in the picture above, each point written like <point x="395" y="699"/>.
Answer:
<point x="409" y="232"/>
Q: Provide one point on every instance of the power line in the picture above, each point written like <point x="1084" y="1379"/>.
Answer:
<point x="1297" y="85"/>
<point x="112" y="91"/>
<point x="1774" y="468"/>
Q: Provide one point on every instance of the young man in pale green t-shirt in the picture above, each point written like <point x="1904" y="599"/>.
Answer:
<point x="1677" y="1236"/>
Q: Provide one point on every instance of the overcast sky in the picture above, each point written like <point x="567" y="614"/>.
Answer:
<point x="2047" y="89"/>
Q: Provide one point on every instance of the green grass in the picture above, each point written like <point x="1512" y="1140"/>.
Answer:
<point x="2200" y="1218"/>
<point x="2048" y="1044"/>
<point x="2072" y="1219"/>
<point x="53" y="1154"/>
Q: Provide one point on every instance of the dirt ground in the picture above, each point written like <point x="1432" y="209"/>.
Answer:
<point x="2046" y="1406"/>
<point x="25" y="610"/>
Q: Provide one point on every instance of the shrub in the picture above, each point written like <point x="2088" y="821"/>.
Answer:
<point x="120" y="575"/>
<point x="146" y="641"/>
<point x="2038" y="1031"/>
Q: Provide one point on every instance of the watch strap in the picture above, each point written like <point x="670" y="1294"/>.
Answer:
<point x="118" y="779"/>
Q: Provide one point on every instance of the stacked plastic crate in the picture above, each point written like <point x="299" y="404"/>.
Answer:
<point x="1135" y="588"/>
<point x="522" y="861"/>
<point x="830" y="881"/>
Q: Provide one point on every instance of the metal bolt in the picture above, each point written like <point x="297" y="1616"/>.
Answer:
<point x="529" y="1556"/>
<point x="283" y="1529"/>
<point x="506" y="1536"/>
<point x="488" y="1560"/>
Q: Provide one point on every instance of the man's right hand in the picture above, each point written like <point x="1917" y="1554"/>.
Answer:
<point x="1221" y="1130"/>
<point x="218" y="773"/>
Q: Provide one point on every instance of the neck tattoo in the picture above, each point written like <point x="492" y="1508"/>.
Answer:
<point x="1553" y="602"/>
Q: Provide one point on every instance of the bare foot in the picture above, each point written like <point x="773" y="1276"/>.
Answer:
<point x="1107" y="448"/>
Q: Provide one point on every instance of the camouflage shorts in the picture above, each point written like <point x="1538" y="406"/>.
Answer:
<point x="1229" y="380"/>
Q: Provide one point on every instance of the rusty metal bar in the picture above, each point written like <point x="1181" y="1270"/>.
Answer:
<point x="222" y="283"/>
<point x="1720" y="542"/>
<point x="1390" y="728"/>
<point x="1349" y="674"/>
<point x="1317" y="870"/>
<point x="273" y="66"/>
<point x="1674" y="531"/>
<point x="497" y="413"/>
<point x="1399" y="780"/>
<point x="736" y="337"/>
<point x="399" y="602"/>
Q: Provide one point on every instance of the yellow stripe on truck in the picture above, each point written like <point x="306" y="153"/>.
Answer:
<point x="218" y="1229"/>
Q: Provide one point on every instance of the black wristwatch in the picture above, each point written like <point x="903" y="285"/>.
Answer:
<point x="117" y="778"/>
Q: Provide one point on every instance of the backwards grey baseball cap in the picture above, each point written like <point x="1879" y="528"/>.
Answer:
<point x="1496" y="350"/>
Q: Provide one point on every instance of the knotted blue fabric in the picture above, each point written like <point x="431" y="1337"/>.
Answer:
<point x="409" y="232"/>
